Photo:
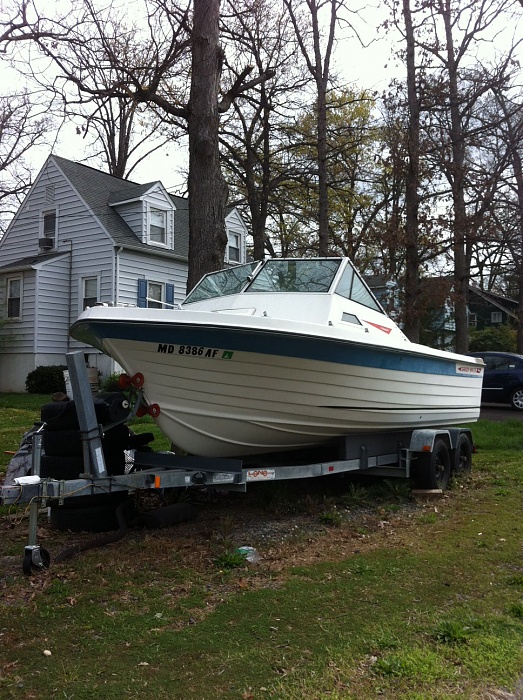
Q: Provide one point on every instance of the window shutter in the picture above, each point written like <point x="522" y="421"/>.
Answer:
<point x="169" y="295"/>
<point x="142" y="294"/>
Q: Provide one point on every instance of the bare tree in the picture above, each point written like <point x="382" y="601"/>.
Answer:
<point x="22" y="127"/>
<point x="318" y="60"/>
<point x="253" y="149"/>
<point x="143" y="69"/>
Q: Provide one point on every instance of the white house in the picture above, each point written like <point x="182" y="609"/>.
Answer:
<point x="81" y="237"/>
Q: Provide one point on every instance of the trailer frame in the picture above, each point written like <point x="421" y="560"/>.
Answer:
<point x="426" y="451"/>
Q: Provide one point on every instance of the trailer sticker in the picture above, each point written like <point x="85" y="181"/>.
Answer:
<point x="261" y="474"/>
<point x="464" y="369"/>
<point x="195" y="351"/>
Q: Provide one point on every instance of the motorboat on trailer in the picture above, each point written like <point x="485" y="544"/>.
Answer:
<point x="281" y="355"/>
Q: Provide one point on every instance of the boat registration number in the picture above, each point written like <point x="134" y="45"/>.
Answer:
<point x="195" y="351"/>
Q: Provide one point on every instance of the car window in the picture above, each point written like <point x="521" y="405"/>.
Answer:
<point x="499" y="363"/>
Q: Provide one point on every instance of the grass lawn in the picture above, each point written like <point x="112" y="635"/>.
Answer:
<point x="361" y="593"/>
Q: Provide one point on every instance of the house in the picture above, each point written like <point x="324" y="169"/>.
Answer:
<point x="490" y="309"/>
<point x="83" y="237"/>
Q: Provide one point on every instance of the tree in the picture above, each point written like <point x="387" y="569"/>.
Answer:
<point x="449" y="34"/>
<point x="318" y="61"/>
<point x="252" y="135"/>
<point x="143" y="67"/>
<point x="22" y="126"/>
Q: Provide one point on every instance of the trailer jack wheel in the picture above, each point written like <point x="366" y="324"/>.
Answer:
<point x="36" y="558"/>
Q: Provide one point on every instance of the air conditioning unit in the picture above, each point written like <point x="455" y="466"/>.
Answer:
<point x="45" y="244"/>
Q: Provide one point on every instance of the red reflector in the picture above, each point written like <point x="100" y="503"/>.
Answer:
<point x="331" y="468"/>
<point x="426" y="448"/>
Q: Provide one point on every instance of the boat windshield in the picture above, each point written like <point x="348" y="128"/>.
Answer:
<point x="221" y="283"/>
<point x="295" y="276"/>
<point x="351" y="286"/>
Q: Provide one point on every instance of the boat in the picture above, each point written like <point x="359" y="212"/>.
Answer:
<point x="281" y="355"/>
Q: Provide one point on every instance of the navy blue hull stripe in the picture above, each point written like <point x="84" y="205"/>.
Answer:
<point x="264" y="342"/>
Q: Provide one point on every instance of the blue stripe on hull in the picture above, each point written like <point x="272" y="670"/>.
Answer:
<point x="266" y="342"/>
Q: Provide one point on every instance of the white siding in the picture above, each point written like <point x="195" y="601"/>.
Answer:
<point x="134" y="216"/>
<point x="20" y="334"/>
<point x="53" y="307"/>
<point x="133" y="266"/>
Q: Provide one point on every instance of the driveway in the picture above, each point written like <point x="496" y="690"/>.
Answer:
<point x="499" y="412"/>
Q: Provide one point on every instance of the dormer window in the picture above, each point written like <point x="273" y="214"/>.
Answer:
<point x="233" y="247"/>
<point x="158" y="226"/>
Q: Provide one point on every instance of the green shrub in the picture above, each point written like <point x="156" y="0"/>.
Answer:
<point x="111" y="382"/>
<point x="46" y="379"/>
<point x="500" y="338"/>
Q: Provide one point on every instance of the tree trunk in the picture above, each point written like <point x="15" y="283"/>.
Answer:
<point x="461" y="273"/>
<point x="411" y="316"/>
<point x="207" y="187"/>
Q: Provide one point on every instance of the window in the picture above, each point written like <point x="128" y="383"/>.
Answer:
<point x="473" y="320"/>
<point x="49" y="225"/>
<point x="233" y="248"/>
<point x="14" y="298"/>
<point x="154" y="295"/>
<point x="89" y="292"/>
<point x="496" y="317"/>
<point x="158" y="226"/>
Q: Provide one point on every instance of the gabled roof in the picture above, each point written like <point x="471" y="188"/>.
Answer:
<point x="99" y="190"/>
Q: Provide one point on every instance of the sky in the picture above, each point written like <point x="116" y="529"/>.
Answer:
<point x="371" y="66"/>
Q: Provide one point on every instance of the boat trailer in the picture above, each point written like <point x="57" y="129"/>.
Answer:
<point x="428" y="454"/>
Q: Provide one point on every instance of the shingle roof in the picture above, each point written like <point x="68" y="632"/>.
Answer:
<point x="99" y="190"/>
<point x="31" y="260"/>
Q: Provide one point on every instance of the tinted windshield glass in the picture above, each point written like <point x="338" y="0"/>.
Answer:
<point x="351" y="286"/>
<point x="222" y="283"/>
<point x="295" y="276"/>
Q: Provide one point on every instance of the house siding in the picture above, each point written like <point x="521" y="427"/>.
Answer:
<point x="53" y="308"/>
<point x="133" y="215"/>
<point x="133" y="266"/>
<point x="18" y="336"/>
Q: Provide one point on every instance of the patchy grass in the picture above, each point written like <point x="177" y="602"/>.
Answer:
<point x="401" y="600"/>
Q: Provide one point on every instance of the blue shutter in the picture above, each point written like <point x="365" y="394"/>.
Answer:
<point x="169" y="295"/>
<point x="142" y="294"/>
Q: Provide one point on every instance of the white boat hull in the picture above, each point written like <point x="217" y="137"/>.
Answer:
<point x="251" y="403"/>
<point x="280" y="356"/>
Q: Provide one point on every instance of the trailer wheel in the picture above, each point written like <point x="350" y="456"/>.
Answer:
<point x="463" y="455"/>
<point x="433" y="468"/>
<point x="35" y="559"/>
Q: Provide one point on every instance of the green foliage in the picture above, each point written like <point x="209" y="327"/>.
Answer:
<point x="499" y="338"/>
<point x="333" y="518"/>
<point x="231" y="559"/>
<point x="111" y="382"/>
<point x="451" y="632"/>
<point x="46" y="379"/>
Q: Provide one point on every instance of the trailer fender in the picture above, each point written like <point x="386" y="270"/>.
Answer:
<point x="423" y="440"/>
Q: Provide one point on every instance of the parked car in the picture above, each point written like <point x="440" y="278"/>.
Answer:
<point x="503" y="379"/>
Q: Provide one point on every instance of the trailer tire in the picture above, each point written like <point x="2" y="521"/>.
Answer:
<point x="59" y="415"/>
<point x="101" y="518"/>
<point x="463" y="455"/>
<point x="60" y="467"/>
<point x="62" y="443"/>
<point x="433" y="468"/>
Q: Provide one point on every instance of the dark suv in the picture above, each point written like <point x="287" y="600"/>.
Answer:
<point x="503" y="380"/>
